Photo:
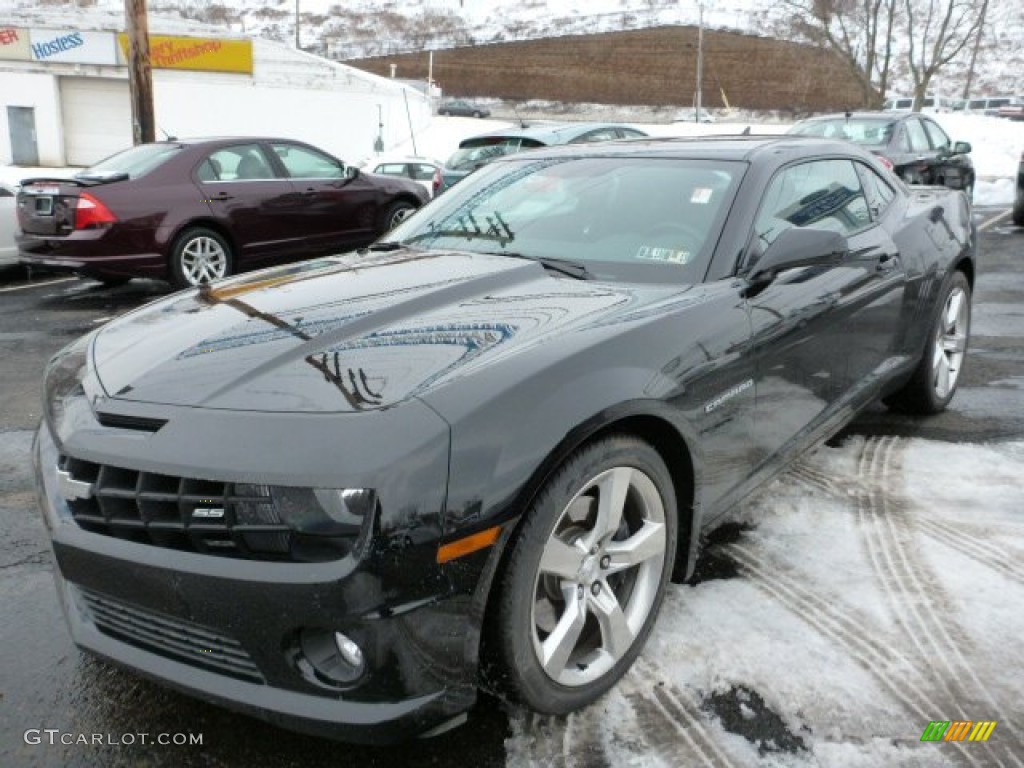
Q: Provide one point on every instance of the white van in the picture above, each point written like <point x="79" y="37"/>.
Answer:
<point x="932" y="104"/>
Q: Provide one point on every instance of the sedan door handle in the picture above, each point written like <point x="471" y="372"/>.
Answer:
<point x="220" y="196"/>
<point x="887" y="262"/>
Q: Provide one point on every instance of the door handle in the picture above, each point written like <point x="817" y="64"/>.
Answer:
<point x="220" y="196"/>
<point x="887" y="262"/>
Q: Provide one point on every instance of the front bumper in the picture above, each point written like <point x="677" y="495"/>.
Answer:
<point x="226" y="630"/>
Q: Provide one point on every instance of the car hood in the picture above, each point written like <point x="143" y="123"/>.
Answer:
<point x="347" y="333"/>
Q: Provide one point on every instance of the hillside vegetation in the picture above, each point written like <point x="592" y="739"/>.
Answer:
<point x="655" y="66"/>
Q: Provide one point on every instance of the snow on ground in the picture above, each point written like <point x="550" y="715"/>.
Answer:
<point x="867" y="592"/>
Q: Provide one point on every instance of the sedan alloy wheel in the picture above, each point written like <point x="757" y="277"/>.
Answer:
<point x="200" y="256"/>
<point x="950" y="342"/>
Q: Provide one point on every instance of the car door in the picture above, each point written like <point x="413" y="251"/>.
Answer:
<point x="818" y="332"/>
<point x="337" y="209"/>
<point x="918" y="168"/>
<point x="256" y="205"/>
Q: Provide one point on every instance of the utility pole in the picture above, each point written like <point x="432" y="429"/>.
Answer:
<point x="700" y="61"/>
<point x="140" y="74"/>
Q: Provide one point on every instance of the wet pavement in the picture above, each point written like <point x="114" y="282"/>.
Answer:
<point x="45" y="683"/>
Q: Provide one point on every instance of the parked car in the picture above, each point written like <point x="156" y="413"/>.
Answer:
<point x="323" y="494"/>
<point x="689" y="115"/>
<point x="8" y="225"/>
<point x="1018" y="201"/>
<point x="918" y="149"/>
<point x="423" y="170"/>
<point x="477" y="151"/>
<point x="193" y="211"/>
<point x="1013" y="110"/>
<point x="931" y="104"/>
<point x="462" y="108"/>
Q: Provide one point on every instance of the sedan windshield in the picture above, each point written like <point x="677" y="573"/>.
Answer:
<point x="868" y="131"/>
<point x="648" y="219"/>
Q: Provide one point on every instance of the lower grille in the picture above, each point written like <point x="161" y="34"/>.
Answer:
<point x="169" y="637"/>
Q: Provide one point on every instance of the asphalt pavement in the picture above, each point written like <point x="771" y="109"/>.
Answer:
<point x="62" y="708"/>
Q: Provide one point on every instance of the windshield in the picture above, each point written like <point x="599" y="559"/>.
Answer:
<point x="137" y="161"/>
<point x="869" y="131"/>
<point x="614" y="215"/>
<point x="476" y="152"/>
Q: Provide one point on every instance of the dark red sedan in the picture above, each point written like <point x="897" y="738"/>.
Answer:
<point x="192" y="211"/>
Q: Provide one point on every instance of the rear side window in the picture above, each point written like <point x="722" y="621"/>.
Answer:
<point x="821" y="194"/>
<point x="917" y="138"/>
<point x="878" y="193"/>
<point x="421" y="172"/>
<point x="241" y="162"/>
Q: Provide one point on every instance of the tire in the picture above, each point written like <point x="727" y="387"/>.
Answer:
<point x="1018" y="212"/>
<point x="477" y="115"/>
<point x="937" y="375"/>
<point x="199" y="255"/>
<point x="395" y="214"/>
<point x="571" y="614"/>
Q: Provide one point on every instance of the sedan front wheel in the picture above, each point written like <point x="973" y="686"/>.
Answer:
<point x="586" y="575"/>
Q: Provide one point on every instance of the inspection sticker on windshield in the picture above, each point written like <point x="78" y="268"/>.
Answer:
<point x="653" y="253"/>
<point x="701" y="196"/>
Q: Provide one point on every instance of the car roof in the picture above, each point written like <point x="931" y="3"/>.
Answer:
<point x="548" y="133"/>
<point x="725" y="147"/>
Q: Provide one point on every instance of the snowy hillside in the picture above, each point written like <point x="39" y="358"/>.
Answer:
<point x="362" y="28"/>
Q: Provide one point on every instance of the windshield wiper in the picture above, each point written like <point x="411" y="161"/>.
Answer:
<point x="567" y="267"/>
<point x="384" y="245"/>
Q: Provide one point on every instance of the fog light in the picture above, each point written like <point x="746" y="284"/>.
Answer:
<point x="349" y="650"/>
<point x="330" y="658"/>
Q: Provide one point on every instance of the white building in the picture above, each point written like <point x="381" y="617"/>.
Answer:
<point x="64" y="96"/>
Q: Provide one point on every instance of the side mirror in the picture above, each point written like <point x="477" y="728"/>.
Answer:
<point x="961" y="148"/>
<point x="796" y="247"/>
<point x="351" y="172"/>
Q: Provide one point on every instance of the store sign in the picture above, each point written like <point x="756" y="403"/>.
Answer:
<point x="197" y="53"/>
<point x="14" y="44"/>
<point x="72" y="46"/>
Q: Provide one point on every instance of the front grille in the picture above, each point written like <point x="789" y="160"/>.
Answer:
<point x="228" y="519"/>
<point x="169" y="636"/>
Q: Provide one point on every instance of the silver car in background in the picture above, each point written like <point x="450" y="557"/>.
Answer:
<point x="8" y="225"/>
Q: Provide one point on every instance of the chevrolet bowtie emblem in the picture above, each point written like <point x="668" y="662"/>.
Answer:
<point x="72" y="489"/>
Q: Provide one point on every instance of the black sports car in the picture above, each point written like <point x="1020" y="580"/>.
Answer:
<point x="917" y="148"/>
<point x="329" y="495"/>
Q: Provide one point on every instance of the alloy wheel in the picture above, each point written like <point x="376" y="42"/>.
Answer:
<point x="599" y="576"/>
<point x="950" y="343"/>
<point x="203" y="259"/>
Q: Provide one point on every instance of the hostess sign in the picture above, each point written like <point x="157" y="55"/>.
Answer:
<point x="75" y="46"/>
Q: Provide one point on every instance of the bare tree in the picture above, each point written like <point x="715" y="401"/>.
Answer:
<point x="938" y="30"/>
<point x="860" y="32"/>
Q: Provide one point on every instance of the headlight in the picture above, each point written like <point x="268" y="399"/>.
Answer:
<point x="63" y="379"/>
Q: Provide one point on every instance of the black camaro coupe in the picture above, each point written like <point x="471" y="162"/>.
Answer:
<point x="344" y="494"/>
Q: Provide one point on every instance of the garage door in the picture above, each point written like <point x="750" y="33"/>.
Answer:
<point x="97" y="118"/>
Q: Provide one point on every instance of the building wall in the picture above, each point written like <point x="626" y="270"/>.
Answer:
<point x="39" y="91"/>
<point x="290" y="94"/>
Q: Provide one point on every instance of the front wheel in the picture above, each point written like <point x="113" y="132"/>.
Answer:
<point x="586" y="575"/>
<point x="199" y="256"/>
<point x="935" y="381"/>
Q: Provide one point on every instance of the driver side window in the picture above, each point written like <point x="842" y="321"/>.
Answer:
<point x="821" y="194"/>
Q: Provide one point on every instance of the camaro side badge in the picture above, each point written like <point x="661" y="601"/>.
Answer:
<point x="208" y="513"/>
<point x="729" y="394"/>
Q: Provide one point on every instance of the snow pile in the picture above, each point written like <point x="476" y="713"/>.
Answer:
<point x="868" y="591"/>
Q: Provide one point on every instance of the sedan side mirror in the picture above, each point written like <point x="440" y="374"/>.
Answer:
<point x="961" y="148"/>
<point x="351" y="172"/>
<point x="797" y="247"/>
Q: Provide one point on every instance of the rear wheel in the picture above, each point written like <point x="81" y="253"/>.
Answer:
<point x="395" y="214"/>
<point x="586" y="575"/>
<point x="199" y="256"/>
<point x="935" y="381"/>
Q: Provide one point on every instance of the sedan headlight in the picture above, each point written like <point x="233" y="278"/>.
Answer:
<point x="63" y="379"/>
